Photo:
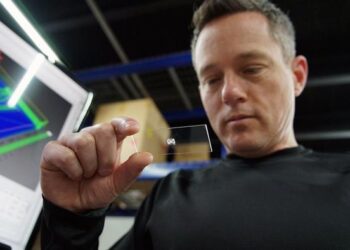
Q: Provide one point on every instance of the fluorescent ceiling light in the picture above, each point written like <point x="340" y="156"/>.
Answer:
<point x="25" y="81"/>
<point x="29" y="29"/>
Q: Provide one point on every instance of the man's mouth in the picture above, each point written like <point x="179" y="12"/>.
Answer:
<point x="238" y="121"/>
<point x="237" y="118"/>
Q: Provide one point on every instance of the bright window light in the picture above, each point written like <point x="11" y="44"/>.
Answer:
<point x="25" y="81"/>
<point x="16" y="13"/>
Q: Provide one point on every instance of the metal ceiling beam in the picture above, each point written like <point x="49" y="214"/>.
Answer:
<point x="124" y="58"/>
<point x="324" y="135"/>
<point x="329" y="80"/>
<point x="116" y="84"/>
<point x="114" y="15"/>
<point x="115" y="43"/>
<point x="130" y="86"/>
<point x="179" y="86"/>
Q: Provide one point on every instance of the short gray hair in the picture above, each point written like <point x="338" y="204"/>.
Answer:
<point x="280" y="25"/>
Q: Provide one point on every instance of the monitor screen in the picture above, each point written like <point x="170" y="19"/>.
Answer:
<point x="51" y="104"/>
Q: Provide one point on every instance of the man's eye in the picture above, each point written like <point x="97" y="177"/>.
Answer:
<point x="252" y="70"/>
<point x="212" y="81"/>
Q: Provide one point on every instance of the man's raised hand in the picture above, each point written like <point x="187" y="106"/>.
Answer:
<point x="82" y="171"/>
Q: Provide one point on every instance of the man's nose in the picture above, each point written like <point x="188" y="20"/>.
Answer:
<point x="234" y="90"/>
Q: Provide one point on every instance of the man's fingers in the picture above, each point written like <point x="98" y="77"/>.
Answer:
<point x="84" y="146"/>
<point x="127" y="172"/>
<point x="95" y="148"/>
<point x="106" y="147"/>
<point x="108" y="140"/>
<point x="57" y="157"/>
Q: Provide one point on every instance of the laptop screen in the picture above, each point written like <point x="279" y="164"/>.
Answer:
<point x="51" y="104"/>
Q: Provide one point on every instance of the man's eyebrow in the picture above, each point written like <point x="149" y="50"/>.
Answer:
<point x="255" y="54"/>
<point x="206" y="68"/>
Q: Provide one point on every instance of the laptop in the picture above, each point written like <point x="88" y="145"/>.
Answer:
<point x="52" y="104"/>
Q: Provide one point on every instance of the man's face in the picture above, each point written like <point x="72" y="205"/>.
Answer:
<point x="246" y="86"/>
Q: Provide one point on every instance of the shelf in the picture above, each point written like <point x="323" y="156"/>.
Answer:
<point x="158" y="170"/>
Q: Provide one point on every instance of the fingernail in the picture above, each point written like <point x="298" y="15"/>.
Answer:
<point x="132" y="123"/>
<point x="123" y="124"/>
<point x="120" y="123"/>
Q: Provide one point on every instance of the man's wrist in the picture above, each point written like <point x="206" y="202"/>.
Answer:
<point x="55" y="209"/>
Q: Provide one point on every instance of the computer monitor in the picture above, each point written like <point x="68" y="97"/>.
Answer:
<point x="52" y="104"/>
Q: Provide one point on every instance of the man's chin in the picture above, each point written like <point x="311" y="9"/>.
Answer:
<point x="244" y="148"/>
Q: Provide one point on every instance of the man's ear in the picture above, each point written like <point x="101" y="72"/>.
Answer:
<point x="300" y="70"/>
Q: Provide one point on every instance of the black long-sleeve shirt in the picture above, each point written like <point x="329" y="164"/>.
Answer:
<point x="292" y="199"/>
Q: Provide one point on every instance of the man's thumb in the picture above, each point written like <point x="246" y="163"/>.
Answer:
<point x="127" y="172"/>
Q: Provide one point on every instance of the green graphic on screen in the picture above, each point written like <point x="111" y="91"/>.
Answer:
<point x="20" y="126"/>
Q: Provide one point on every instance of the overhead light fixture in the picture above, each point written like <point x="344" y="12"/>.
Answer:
<point x="28" y="28"/>
<point x="25" y="81"/>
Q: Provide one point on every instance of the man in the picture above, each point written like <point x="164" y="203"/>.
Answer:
<point x="269" y="193"/>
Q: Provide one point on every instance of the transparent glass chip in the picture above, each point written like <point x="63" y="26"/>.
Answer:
<point x="161" y="142"/>
<point x="187" y="140"/>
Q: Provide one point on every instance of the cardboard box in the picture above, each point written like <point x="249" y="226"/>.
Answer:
<point x="199" y="151"/>
<point x="154" y="130"/>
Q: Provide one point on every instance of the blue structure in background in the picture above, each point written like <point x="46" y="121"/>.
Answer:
<point x="141" y="66"/>
<point x="197" y="113"/>
<point x="13" y="121"/>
